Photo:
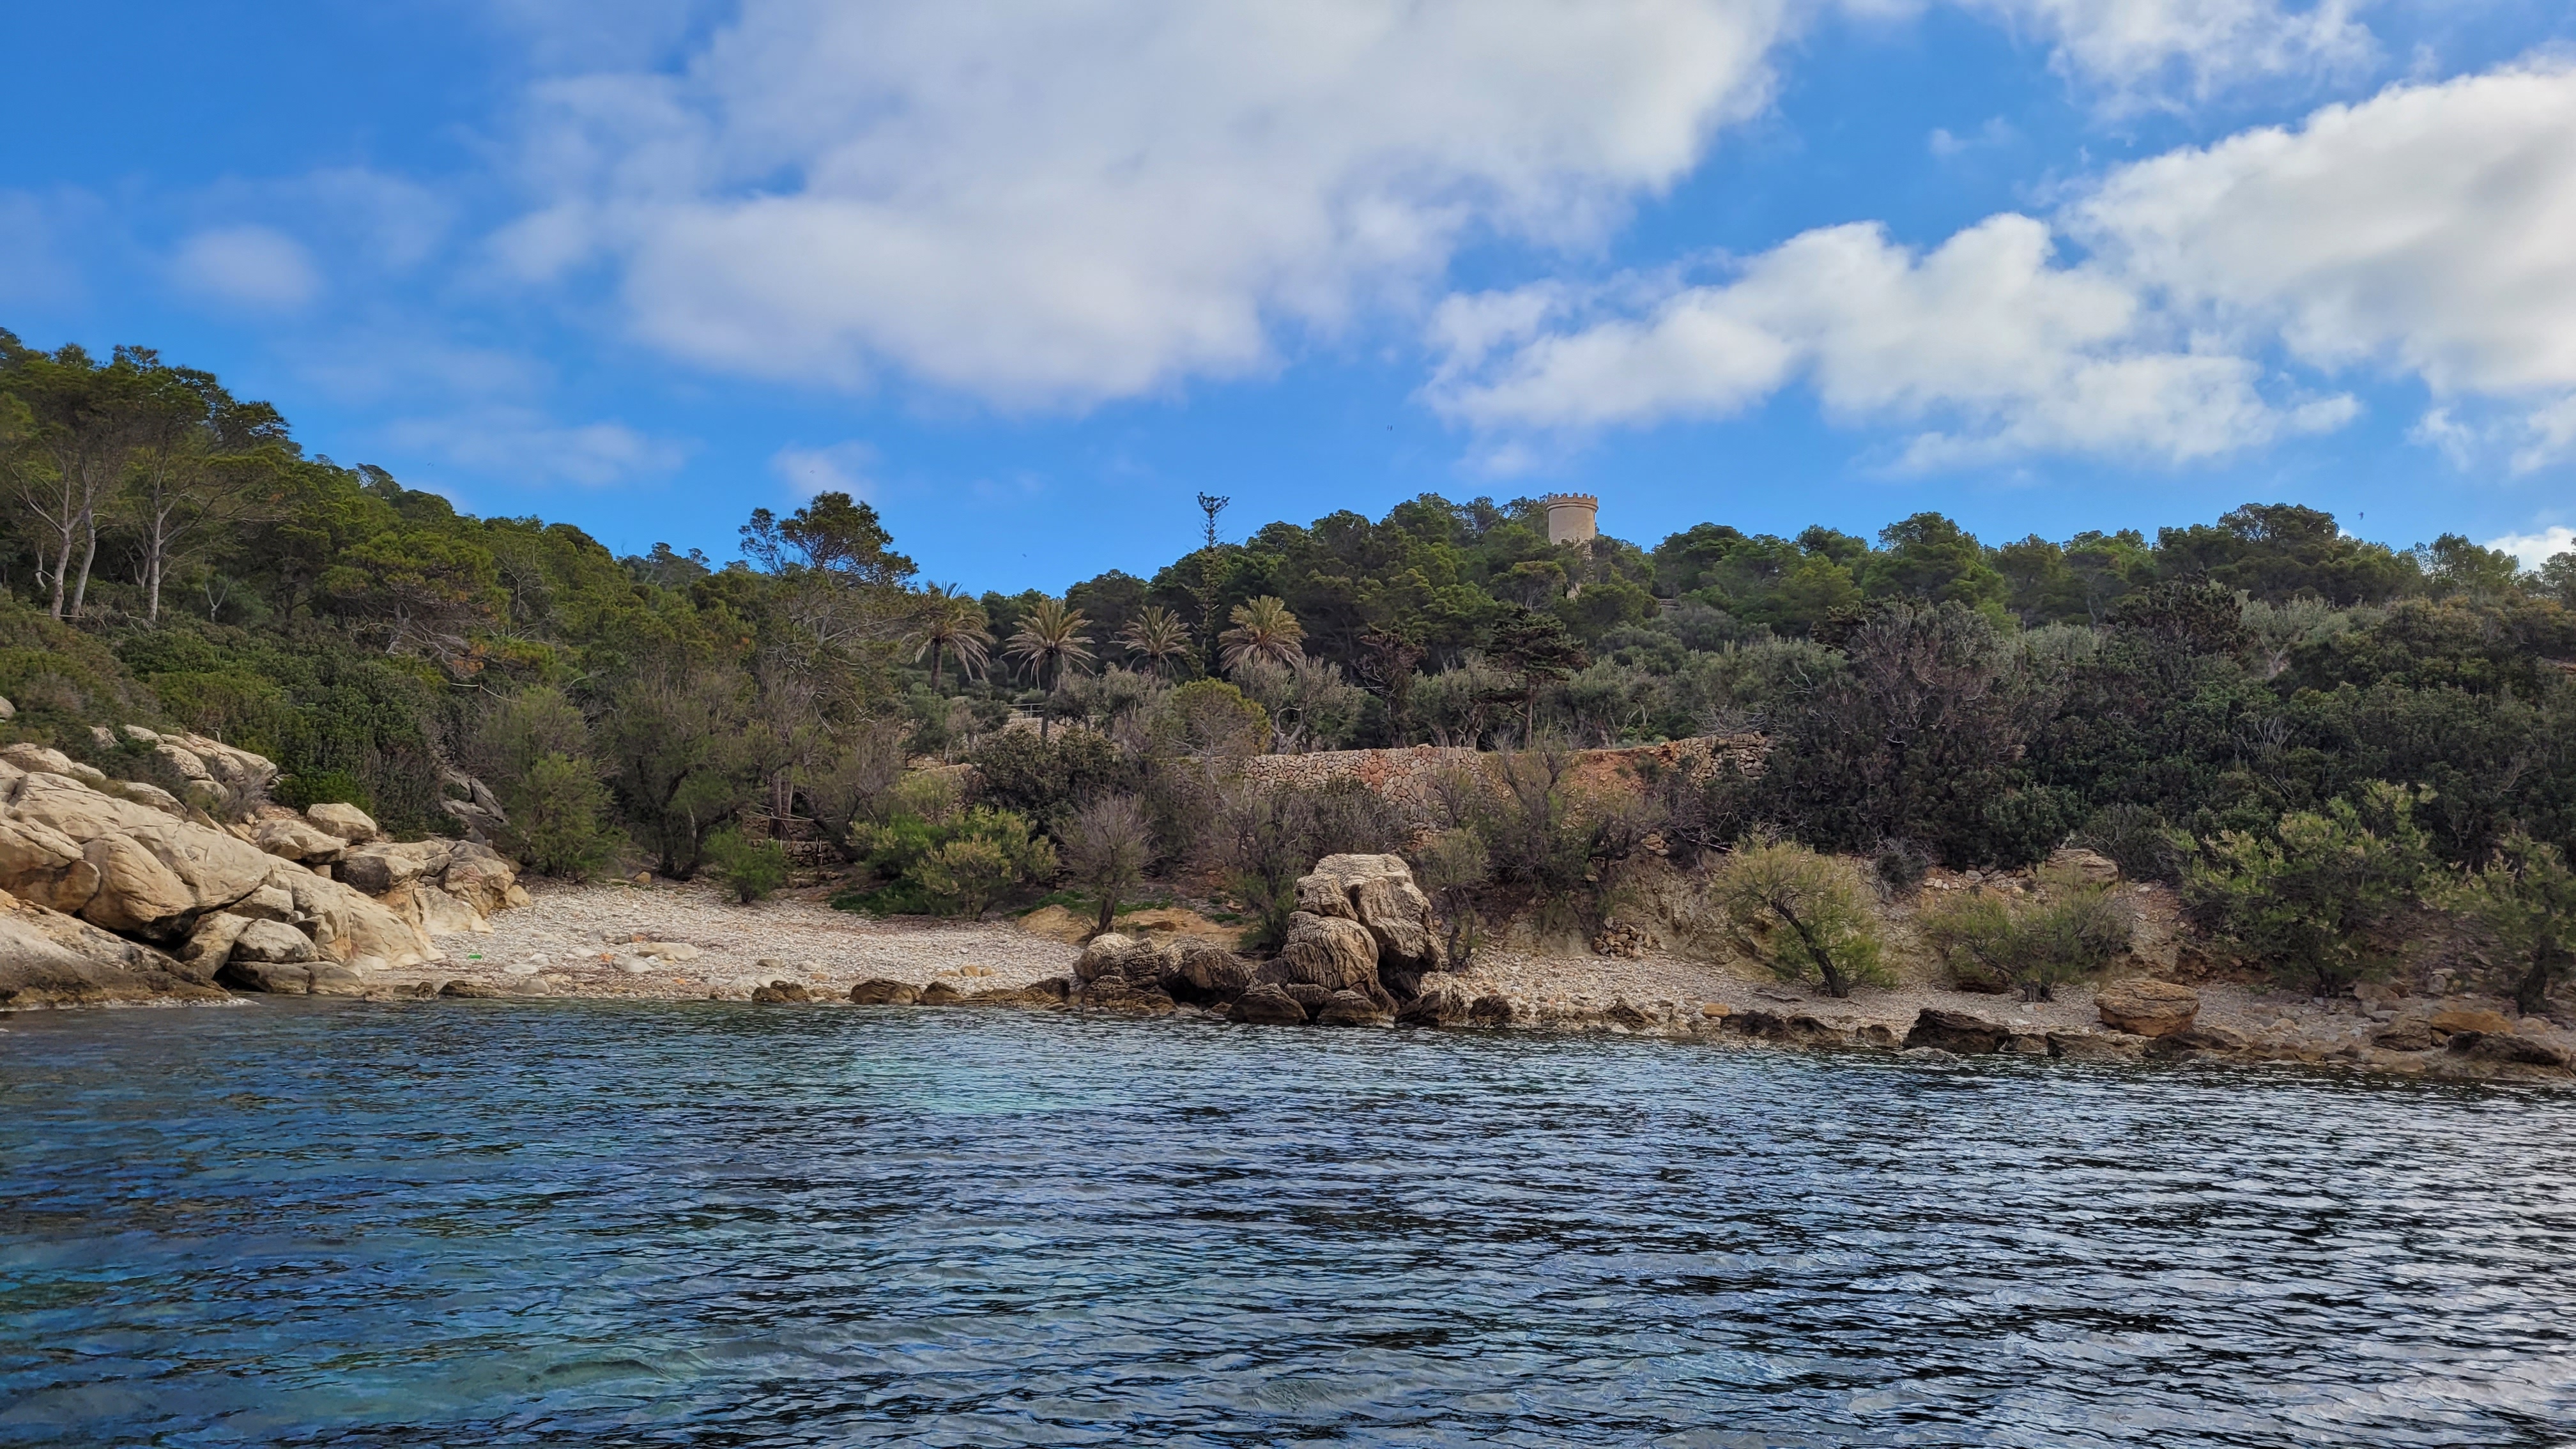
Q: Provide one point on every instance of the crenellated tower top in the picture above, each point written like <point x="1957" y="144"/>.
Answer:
<point x="1572" y="517"/>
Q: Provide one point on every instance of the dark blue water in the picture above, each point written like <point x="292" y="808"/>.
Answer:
<point x="596" y="1223"/>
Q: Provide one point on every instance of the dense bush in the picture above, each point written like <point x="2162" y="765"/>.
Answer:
<point x="958" y="862"/>
<point x="752" y="869"/>
<point x="1803" y="915"/>
<point x="2317" y="899"/>
<point x="2029" y="944"/>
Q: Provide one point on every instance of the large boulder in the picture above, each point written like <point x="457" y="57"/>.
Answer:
<point x="49" y="958"/>
<point x="1352" y="1008"/>
<point x="348" y="822"/>
<point x="2147" y="1007"/>
<point x="1266" y="1004"/>
<point x="882" y="992"/>
<point x="350" y="927"/>
<point x="1208" y="973"/>
<point x="272" y="941"/>
<point x="1377" y="892"/>
<point x="380" y="869"/>
<point x="1334" y="952"/>
<point x="297" y="840"/>
<point x="479" y="876"/>
<point x="1441" y="998"/>
<point x="150" y="875"/>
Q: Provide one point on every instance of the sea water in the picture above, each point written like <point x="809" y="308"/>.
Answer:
<point x="596" y="1223"/>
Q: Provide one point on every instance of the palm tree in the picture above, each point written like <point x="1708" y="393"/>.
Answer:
<point x="1050" y="641"/>
<point x="952" y="626"/>
<point x="1263" y="629"/>
<point x="1158" y="636"/>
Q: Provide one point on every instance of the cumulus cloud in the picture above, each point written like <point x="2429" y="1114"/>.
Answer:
<point x="1045" y="205"/>
<point x="2144" y="53"/>
<point x="248" y="266"/>
<point x="1986" y="339"/>
<point x="524" y="445"/>
<point x="2422" y="233"/>
<point x="2535" y="549"/>
<point x="838" y="468"/>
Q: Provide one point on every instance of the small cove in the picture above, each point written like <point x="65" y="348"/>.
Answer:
<point x="651" y="1223"/>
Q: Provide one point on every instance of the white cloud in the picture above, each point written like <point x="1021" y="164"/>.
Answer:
<point x="838" y="468"/>
<point x="523" y="445"/>
<point x="1055" y="205"/>
<point x="248" y="266"/>
<point x="2142" y="53"/>
<point x="2535" y="549"/>
<point x="2420" y="234"/>
<point x="2424" y="231"/>
<point x="1984" y="343"/>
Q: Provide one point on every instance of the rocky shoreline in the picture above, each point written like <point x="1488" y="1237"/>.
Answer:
<point x="113" y="893"/>
<point x="669" y="941"/>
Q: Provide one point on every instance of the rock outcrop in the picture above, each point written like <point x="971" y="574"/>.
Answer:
<point x="1376" y="892"/>
<point x="86" y="861"/>
<point x="2148" y="1008"/>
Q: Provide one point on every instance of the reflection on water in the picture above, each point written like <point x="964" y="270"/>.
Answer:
<point x="588" y="1223"/>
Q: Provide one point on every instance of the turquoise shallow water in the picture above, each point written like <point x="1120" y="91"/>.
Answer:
<point x="598" y="1223"/>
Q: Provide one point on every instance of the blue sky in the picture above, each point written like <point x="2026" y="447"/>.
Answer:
<point x="1030" y="276"/>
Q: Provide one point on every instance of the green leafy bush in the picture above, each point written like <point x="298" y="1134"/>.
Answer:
<point x="2315" y="900"/>
<point x="558" y="808"/>
<point x="959" y="865"/>
<point x="2031" y="945"/>
<point x="753" y="868"/>
<point x="1803" y="915"/>
<point x="2522" y="905"/>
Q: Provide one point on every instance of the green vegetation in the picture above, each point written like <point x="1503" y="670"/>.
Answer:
<point x="2033" y="944"/>
<point x="2318" y="897"/>
<point x="2218" y="699"/>
<point x="1804" y="915"/>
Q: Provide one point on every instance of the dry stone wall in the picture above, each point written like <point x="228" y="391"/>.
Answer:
<point x="1412" y="778"/>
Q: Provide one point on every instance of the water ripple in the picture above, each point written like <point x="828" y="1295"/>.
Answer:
<point x="601" y="1223"/>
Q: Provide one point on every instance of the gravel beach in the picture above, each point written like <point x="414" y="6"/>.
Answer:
<point x="687" y="941"/>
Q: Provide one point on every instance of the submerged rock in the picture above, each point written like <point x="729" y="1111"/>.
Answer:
<point x="1956" y="1031"/>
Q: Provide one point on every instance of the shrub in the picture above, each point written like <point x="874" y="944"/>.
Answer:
<point x="1210" y="717"/>
<point x="557" y="808"/>
<point x="2139" y="840"/>
<point x="2314" y="900"/>
<point x="753" y="868"/>
<point x="2522" y="904"/>
<point x="959" y="864"/>
<point x="1801" y="914"/>
<point x="1044" y="779"/>
<point x="968" y="874"/>
<point x="1105" y="851"/>
<point x="2031" y="946"/>
<point x="1449" y="867"/>
<point x="320" y="787"/>
<point x="1900" y="866"/>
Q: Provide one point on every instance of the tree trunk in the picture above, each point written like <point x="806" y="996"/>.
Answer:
<point x="2531" y="993"/>
<point x="89" y="555"/>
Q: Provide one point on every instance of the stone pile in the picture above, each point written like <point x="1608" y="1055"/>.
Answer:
<point x="113" y="890"/>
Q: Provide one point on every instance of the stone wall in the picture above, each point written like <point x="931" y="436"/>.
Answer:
<point x="1411" y="777"/>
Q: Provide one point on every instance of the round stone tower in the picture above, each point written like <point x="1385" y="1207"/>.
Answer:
<point x="1572" y="517"/>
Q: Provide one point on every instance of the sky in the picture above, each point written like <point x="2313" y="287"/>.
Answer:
<point x="1030" y="275"/>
